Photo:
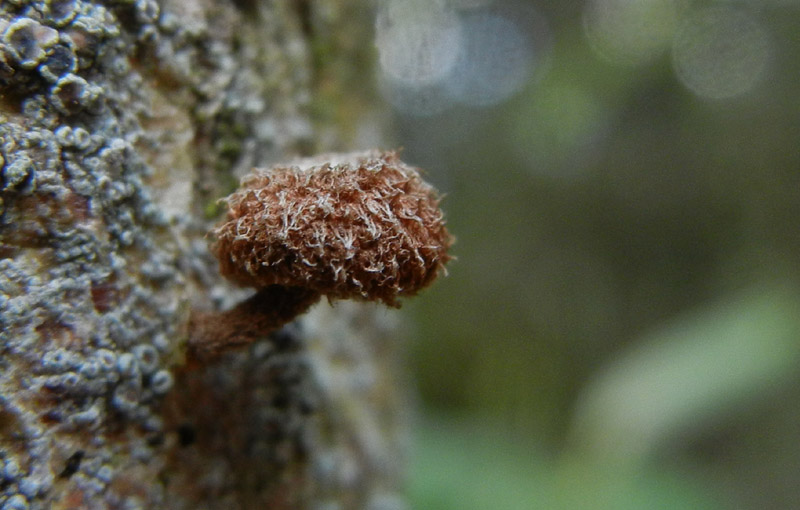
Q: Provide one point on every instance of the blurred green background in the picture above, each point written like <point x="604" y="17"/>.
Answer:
<point x="622" y="326"/>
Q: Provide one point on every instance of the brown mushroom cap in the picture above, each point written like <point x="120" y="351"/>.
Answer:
<point x="367" y="227"/>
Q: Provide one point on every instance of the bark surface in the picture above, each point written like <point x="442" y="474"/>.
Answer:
<point x="121" y="124"/>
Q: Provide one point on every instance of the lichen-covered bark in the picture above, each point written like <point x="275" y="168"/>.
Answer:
<point x="121" y="123"/>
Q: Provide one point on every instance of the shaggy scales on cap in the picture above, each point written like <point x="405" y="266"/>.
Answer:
<point x="366" y="226"/>
<point x="359" y="225"/>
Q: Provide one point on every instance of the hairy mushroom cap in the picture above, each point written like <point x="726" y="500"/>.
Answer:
<point x="367" y="226"/>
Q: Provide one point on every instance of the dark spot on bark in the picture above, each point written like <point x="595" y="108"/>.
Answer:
<point x="73" y="464"/>
<point x="104" y="296"/>
<point x="187" y="435"/>
<point x="156" y="440"/>
<point x="303" y="8"/>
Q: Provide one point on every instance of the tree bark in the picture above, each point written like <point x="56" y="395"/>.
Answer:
<point x="121" y="124"/>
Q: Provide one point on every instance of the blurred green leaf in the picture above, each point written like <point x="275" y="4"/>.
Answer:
<point x="699" y="368"/>
<point x="465" y="466"/>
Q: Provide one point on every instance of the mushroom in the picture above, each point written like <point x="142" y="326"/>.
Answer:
<point x="346" y="226"/>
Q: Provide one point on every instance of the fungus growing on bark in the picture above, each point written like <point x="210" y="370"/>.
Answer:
<point x="360" y="225"/>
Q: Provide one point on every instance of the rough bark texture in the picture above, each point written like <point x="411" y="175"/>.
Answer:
<point x="121" y="123"/>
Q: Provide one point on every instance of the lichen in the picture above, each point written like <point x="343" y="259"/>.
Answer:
<point x="107" y="111"/>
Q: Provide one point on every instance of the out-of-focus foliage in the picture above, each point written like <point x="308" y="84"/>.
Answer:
<point x="625" y="202"/>
<point x="695" y="370"/>
<point x="473" y="468"/>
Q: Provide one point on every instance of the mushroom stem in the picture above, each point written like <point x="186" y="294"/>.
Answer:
<point x="213" y="333"/>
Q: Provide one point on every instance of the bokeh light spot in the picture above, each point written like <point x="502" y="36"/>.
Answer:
<point x="558" y="129"/>
<point x="630" y="31"/>
<point x="495" y="60"/>
<point x="419" y="101"/>
<point x="720" y="52"/>
<point x="418" y="42"/>
<point x="436" y="55"/>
